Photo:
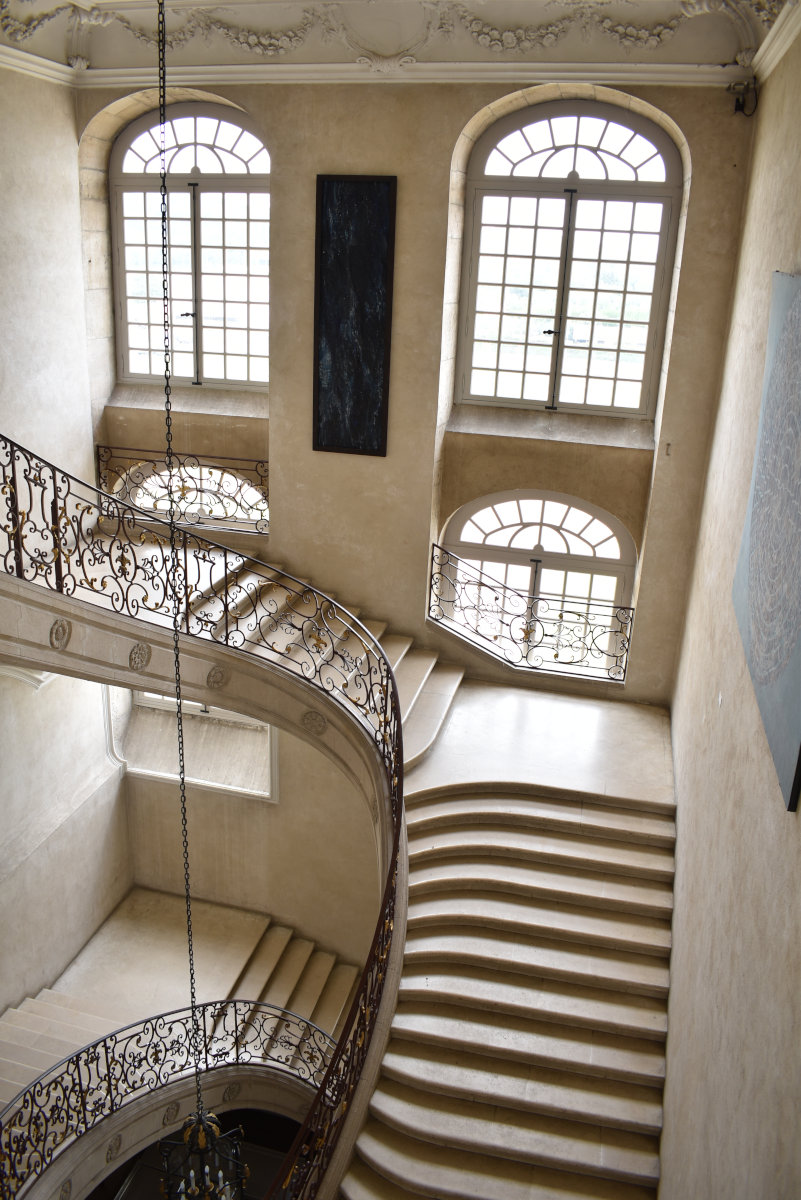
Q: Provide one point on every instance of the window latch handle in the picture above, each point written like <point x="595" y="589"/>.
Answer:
<point x="189" y="314"/>
<point x="550" y="331"/>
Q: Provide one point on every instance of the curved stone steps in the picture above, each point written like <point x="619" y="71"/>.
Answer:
<point x="407" y="1167"/>
<point x="525" y="1087"/>
<point x="569" y="922"/>
<point x="527" y="1040"/>
<point x="552" y="1000"/>
<point x="547" y="881"/>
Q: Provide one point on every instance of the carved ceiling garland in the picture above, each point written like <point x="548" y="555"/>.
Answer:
<point x="441" y="18"/>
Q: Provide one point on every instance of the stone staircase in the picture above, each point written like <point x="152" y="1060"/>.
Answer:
<point x="266" y="962"/>
<point x="526" y="1057"/>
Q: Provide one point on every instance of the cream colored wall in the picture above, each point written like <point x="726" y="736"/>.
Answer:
<point x="43" y="372"/>
<point x="359" y="526"/>
<point x="65" y="858"/>
<point x="308" y="861"/>
<point x="733" y="1082"/>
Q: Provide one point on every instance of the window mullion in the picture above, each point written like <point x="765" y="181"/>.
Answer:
<point x="556" y="366"/>
<point x="197" y="297"/>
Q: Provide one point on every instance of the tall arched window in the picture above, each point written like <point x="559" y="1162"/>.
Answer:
<point x="218" y="178"/>
<point x="571" y="214"/>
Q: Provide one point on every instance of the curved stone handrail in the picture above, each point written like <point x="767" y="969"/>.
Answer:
<point x="65" y="535"/>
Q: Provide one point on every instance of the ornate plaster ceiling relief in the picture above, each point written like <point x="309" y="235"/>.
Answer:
<point x="431" y="39"/>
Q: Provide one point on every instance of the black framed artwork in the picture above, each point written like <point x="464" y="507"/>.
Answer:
<point x="353" y="312"/>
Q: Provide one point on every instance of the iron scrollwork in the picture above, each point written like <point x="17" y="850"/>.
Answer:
<point x="65" y="535"/>
<point x="557" y="634"/>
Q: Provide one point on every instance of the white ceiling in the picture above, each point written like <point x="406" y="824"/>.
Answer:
<point x="700" y="41"/>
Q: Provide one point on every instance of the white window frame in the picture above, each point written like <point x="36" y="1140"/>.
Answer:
<point x="623" y="568"/>
<point x="194" y="183"/>
<point x="480" y="184"/>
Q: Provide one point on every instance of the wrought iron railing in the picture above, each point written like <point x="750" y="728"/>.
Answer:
<point x="211" y="492"/>
<point x="560" y="634"/>
<point x="81" y="1091"/>
<point x="62" y="534"/>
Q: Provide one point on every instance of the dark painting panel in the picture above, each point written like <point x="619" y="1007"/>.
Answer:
<point x="767" y="584"/>
<point x="353" y="312"/>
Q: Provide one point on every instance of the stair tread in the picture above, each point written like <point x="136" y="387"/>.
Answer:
<point x="447" y="1174"/>
<point x="56" y="1044"/>
<point x="82" y="1004"/>
<point x="429" y="711"/>
<point x="331" y="1008"/>
<point x="92" y="1025"/>
<point x="650" y="897"/>
<point x="524" y="1086"/>
<point x="262" y="962"/>
<point x="526" y="1137"/>
<point x="525" y="1039"/>
<point x="411" y="674"/>
<point x="26" y="1055"/>
<point x="283" y="980"/>
<point x="63" y="1031"/>
<point x="311" y="983"/>
<point x="495" y="990"/>
<point x="395" y="646"/>
<point x="596" y="968"/>
<point x="538" y="918"/>
<point x="557" y="812"/>
<point x="621" y="857"/>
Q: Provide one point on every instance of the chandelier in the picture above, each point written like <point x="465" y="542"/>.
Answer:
<point x="201" y="1161"/>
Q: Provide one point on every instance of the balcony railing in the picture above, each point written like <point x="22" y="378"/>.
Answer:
<point x="210" y="492"/>
<point x="563" y="635"/>
<point x="81" y="1091"/>
<point x="67" y="536"/>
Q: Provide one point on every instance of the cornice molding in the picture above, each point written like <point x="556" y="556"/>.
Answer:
<point x="779" y="40"/>
<point x="511" y="74"/>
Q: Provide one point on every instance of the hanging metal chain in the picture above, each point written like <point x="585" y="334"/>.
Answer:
<point x="172" y="566"/>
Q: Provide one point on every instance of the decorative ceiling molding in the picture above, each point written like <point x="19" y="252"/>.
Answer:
<point x="444" y="39"/>
<point x="781" y="37"/>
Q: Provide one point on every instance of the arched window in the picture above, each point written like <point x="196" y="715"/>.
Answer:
<point x="571" y="225"/>
<point x="218" y="205"/>
<point x="540" y="580"/>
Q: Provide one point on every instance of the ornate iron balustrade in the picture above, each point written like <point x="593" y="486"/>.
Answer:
<point x="226" y="493"/>
<point x="559" y="634"/>
<point x="79" y="1092"/>
<point x="62" y="534"/>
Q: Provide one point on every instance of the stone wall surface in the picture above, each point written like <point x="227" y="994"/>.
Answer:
<point x="733" y="1081"/>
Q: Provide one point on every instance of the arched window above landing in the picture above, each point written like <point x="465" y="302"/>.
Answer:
<point x="571" y="217"/>
<point x="218" y="204"/>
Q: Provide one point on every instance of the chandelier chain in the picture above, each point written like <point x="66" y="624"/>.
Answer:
<point x="172" y="568"/>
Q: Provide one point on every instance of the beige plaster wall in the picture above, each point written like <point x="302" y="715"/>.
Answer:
<point x="733" y="1081"/>
<point x="65" y="859"/>
<point x="360" y="526"/>
<point x="43" y="372"/>
<point x="309" y="860"/>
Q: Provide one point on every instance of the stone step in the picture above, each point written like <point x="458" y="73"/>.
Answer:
<point x="588" y="817"/>
<point x="522" y="1136"/>
<point x="620" y="858"/>
<point x="429" y="713"/>
<point x="34" y="1060"/>
<point x="565" y="922"/>
<point x="262" y="963"/>
<point x="284" y="978"/>
<point x="53" y="1038"/>
<point x="494" y="990"/>
<point x="410" y="675"/>
<point x="395" y="647"/>
<point x="88" y="1005"/>
<point x="538" y="958"/>
<point x="583" y="1051"/>
<point x="524" y="1087"/>
<point x="543" y="880"/>
<point x="439" y="1172"/>
<point x="332" y="1007"/>
<point x="311" y="984"/>
<point x="93" y="1027"/>
<point x="8" y="1089"/>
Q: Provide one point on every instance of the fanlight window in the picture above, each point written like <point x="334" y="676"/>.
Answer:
<point x="218" y="207"/>
<point x="202" y="494"/>
<point x="545" y="545"/>
<point x="571" y="229"/>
